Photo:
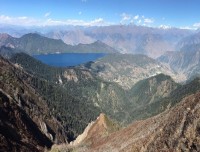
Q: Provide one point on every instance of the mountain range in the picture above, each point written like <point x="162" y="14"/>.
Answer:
<point x="130" y="39"/>
<point x="138" y="39"/>
<point x="127" y="69"/>
<point x="34" y="43"/>
<point x="78" y="88"/>
<point x="86" y="85"/>
<point x="98" y="94"/>
<point x="121" y="102"/>
<point x="185" y="61"/>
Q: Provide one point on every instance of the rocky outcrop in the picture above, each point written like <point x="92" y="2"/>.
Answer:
<point x="98" y="129"/>
<point x="31" y="126"/>
<point x="70" y="75"/>
<point x="82" y="136"/>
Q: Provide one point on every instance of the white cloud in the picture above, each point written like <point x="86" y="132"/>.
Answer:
<point x="139" y="21"/>
<point x="125" y="17"/>
<point x="164" y="26"/>
<point x="196" y="25"/>
<point x="26" y="21"/>
<point x="95" y="22"/>
<point x="47" y="14"/>
<point x="148" y="21"/>
<point x="136" y="17"/>
<point x="98" y="22"/>
<point x="188" y="28"/>
<point x="22" y="20"/>
<point x="132" y="22"/>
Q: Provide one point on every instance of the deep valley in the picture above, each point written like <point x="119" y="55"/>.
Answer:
<point x="139" y="89"/>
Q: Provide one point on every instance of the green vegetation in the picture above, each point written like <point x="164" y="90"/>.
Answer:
<point x="151" y="88"/>
<point x="140" y="60"/>
<point x="36" y="67"/>
<point x="73" y="113"/>
<point x="8" y="52"/>
<point x="125" y="69"/>
<point x="82" y="96"/>
<point x="167" y="102"/>
<point x="35" y="44"/>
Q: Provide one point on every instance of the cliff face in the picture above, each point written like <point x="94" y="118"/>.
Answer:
<point x="26" y="123"/>
<point x="177" y="129"/>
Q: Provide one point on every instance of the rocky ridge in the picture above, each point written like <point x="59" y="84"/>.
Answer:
<point x="176" y="129"/>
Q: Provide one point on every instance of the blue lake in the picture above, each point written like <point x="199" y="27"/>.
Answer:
<point x="68" y="59"/>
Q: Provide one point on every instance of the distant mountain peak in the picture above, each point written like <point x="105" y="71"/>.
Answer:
<point x="99" y="42"/>
<point x="36" y="35"/>
<point x="4" y="36"/>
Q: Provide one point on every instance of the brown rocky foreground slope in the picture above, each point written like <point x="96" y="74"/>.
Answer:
<point x="26" y="123"/>
<point x="176" y="129"/>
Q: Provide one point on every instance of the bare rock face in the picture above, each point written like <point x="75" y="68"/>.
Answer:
<point x="175" y="130"/>
<point x="95" y="130"/>
<point x="83" y="136"/>
<point x="70" y="75"/>
<point x="102" y="127"/>
<point x="26" y="123"/>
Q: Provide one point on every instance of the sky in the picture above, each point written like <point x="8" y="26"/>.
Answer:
<point x="153" y="13"/>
